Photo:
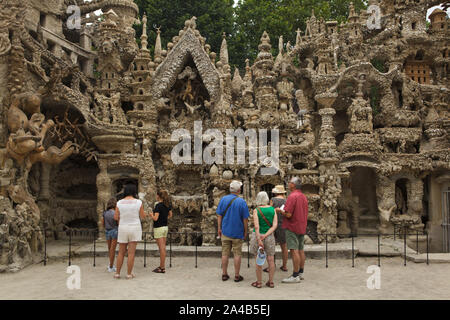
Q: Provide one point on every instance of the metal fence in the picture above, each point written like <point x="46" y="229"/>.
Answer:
<point x="92" y="235"/>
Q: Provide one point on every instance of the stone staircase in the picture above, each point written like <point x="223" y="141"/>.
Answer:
<point x="368" y="224"/>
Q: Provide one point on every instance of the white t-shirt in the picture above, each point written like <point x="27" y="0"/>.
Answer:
<point x="129" y="212"/>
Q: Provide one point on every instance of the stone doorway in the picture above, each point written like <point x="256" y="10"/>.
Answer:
<point x="268" y="187"/>
<point x="363" y="186"/>
<point x="70" y="198"/>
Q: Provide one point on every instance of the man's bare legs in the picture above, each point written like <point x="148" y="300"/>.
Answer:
<point x="237" y="265"/>
<point x="295" y="260"/>
<point x="225" y="265"/>
<point x="285" y="254"/>
<point x="302" y="261"/>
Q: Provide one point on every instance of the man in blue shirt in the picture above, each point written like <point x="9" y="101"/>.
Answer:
<point x="232" y="222"/>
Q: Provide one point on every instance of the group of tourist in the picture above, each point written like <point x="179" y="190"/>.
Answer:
<point x="275" y="220"/>
<point x="122" y="222"/>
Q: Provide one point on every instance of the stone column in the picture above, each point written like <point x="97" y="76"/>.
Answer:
<point x="103" y="192"/>
<point x="330" y="188"/>
<point x="147" y="190"/>
<point x="45" y="181"/>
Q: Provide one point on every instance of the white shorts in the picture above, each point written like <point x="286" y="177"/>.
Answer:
<point x="129" y="234"/>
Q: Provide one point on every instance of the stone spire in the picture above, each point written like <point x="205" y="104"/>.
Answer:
<point x="352" y="16"/>
<point x="237" y="82"/>
<point x="264" y="48"/>
<point x="248" y="71"/>
<point x="224" y="51"/>
<point x="298" y="39"/>
<point x="144" y="36"/>
<point x="280" y="50"/>
<point x="158" y="47"/>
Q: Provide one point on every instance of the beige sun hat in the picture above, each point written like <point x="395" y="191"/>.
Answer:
<point x="279" y="189"/>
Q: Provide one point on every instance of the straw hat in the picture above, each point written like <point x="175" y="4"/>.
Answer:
<point x="279" y="190"/>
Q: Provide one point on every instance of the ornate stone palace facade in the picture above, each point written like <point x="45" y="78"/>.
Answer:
<point x="362" y="112"/>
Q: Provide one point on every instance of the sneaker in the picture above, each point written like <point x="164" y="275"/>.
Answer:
<point x="291" y="279"/>
<point x="113" y="269"/>
<point x="300" y="275"/>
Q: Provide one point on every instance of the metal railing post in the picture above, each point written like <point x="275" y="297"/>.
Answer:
<point x="353" y="250"/>
<point x="95" y="240"/>
<point x="45" y="247"/>
<point x="417" y="242"/>
<point x="404" y="245"/>
<point x="70" y="246"/>
<point x="428" y="261"/>
<point x="145" y="249"/>
<point x="196" y="250"/>
<point x="379" y="255"/>
<point x="248" y="252"/>
<point x="326" y="250"/>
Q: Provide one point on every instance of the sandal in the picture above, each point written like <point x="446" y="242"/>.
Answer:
<point x="225" y="277"/>
<point x="117" y="276"/>
<point x="284" y="269"/>
<point x="238" y="279"/>
<point x="159" y="270"/>
<point x="256" y="284"/>
<point x="270" y="284"/>
<point x="131" y="276"/>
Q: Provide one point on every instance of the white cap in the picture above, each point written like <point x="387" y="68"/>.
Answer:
<point x="235" y="186"/>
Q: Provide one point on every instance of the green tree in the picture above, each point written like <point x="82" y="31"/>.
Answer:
<point x="244" y="24"/>
<point x="213" y="18"/>
<point x="279" y="17"/>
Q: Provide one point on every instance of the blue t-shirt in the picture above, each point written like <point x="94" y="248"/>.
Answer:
<point x="233" y="224"/>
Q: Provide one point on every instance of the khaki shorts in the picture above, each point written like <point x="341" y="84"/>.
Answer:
<point x="269" y="244"/>
<point x="161" y="232"/>
<point x="295" y="241"/>
<point x="230" y="243"/>
<point x="129" y="234"/>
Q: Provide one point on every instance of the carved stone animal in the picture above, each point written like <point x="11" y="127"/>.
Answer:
<point x="385" y="215"/>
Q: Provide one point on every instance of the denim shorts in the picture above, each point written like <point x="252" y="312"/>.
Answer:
<point x="111" y="234"/>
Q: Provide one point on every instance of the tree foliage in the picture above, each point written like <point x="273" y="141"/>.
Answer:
<point x="244" y="24"/>
<point x="213" y="18"/>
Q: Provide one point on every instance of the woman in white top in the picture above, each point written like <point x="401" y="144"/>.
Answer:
<point x="128" y="213"/>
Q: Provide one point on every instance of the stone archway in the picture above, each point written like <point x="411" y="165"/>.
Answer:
<point x="363" y="187"/>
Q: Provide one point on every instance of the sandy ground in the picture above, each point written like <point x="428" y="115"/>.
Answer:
<point x="184" y="281"/>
